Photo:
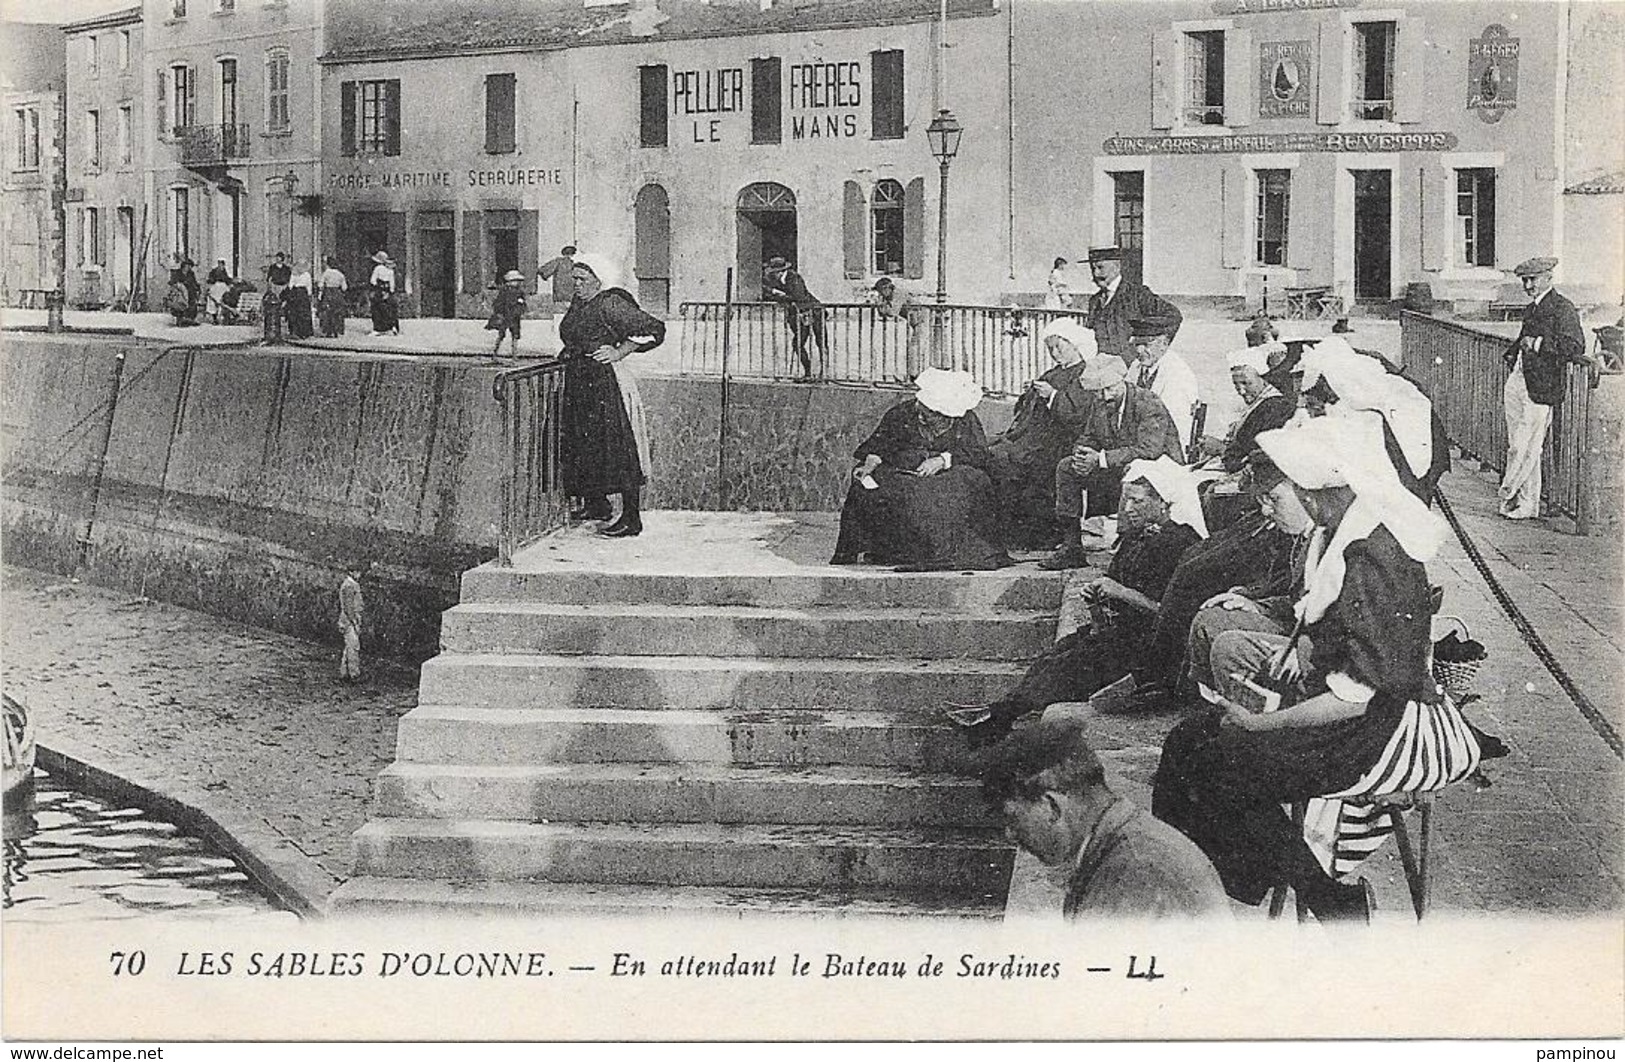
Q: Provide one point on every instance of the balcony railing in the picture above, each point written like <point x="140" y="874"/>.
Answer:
<point x="213" y="145"/>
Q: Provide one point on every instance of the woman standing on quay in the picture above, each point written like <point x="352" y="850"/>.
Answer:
<point x="604" y="450"/>
<point x="386" y="313"/>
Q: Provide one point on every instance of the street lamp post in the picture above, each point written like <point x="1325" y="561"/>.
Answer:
<point x="290" y="185"/>
<point x="943" y="134"/>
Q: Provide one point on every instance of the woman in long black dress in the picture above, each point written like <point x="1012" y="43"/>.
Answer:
<point x="603" y="451"/>
<point x="1370" y="720"/>
<point x="921" y="496"/>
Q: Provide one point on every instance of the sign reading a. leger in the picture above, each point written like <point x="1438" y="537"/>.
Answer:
<point x="1284" y="80"/>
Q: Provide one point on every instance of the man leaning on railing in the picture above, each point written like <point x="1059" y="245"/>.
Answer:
<point x="1550" y="337"/>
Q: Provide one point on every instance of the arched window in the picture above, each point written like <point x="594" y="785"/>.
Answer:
<point x="652" y="222"/>
<point x="766" y="196"/>
<point x="886" y="228"/>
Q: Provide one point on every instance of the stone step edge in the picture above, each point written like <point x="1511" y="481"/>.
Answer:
<point x="685" y="833"/>
<point x="668" y="773"/>
<point x="362" y="895"/>
<point x="664" y="662"/>
<point x="823" y="613"/>
<point x="835" y="718"/>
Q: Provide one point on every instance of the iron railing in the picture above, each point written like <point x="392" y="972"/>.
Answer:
<point x="1462" y="370"/>
<point x="213" y="145"/>
<point x="999" y="345"/>
<point x="533" y="499"/>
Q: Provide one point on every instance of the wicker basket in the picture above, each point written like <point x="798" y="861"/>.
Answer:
<point x="1456" y="677"/>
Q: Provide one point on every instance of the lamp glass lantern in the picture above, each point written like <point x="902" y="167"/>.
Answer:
<point x="943" y="134"/>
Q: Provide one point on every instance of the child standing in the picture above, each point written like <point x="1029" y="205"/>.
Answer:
<point x="350" y="624"/>
<point x="508" y="311"/>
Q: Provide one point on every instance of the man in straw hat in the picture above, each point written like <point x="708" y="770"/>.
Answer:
<point x="1117" y="300"/>
<point x="1551" y="336"/>
<point x="1050" y="789"/>
<point x="1125" y="423"/>
<point x="1159" y="520"/>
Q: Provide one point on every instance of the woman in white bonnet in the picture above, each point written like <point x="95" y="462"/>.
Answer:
<point x="920" y="495"/>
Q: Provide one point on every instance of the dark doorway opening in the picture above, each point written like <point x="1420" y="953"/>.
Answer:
<point x="371" y="236"/>
<point x="653" y="224"/>
<point x="767" y="229"/>
<point x="1373" y="234"/>
<point x="437" y="264"/>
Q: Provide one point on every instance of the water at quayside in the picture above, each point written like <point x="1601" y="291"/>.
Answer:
<point x="70" y="857"/>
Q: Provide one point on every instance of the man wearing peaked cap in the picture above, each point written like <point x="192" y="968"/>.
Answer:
<point x="1117" y="301"/>
<point x="1162" y="372"/>
<point x="1551" y="337"/>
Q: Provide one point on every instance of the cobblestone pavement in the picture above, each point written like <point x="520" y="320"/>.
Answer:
<point x="257" y="718"/>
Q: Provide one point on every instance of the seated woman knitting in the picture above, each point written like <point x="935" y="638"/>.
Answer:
<point x="1361" y="716"/>
<point x="920" y="495"/>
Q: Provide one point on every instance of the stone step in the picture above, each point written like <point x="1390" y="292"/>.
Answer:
<point x="910" y="740"/>
<point x="549" y="681"/>
<point x="673" y="793"/>
<point x="734" y="630"/>
<point x="1026" y="590"/>
<point x="962" y="863"/>
<point x="364" y="896"/>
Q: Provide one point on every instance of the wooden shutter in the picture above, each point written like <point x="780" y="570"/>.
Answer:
<point x="1437" y="189"/>
<point x="1331" y="103"/>
<point x="191" y="94"/>
<point x="886" y="95"/>
<point x="914" y="229"/>
<point x="499" y="114"/>
<point x="529" y="243"/>
<point x="101" y="237"/>
<point x="1232" y="219"/>
<point x="473" y="267"/>
<point x="766" y="102"/>
<point x="1165" y="78"/>
<point x="77" y="236"/>
<point x="395" y="231"/>
<point x="1240" y="78"/>
<point x="347" y="116"/>
<point x="652" y="106"/>
<point x="853" y="240"/>
<point x="162" y="103"/>
<point x="1410" y="85"/>
<point x="392" y="117"/>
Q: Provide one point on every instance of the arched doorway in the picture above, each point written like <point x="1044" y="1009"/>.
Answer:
<point x="652" y="221"/>
<point x="767" y="227"/>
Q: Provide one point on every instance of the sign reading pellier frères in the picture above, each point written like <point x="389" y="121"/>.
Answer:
<point x="1492" y="74"/>
<point x="1270" y="142"/>
<point x="1283" y="74"/>
<point x="1264" y="7"/>
<point x="824" y="100"/>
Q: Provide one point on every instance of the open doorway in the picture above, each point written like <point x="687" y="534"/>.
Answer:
<point x="767" y="229"/>
<point x="437" y="264"/>
<point x="1373" y="234"/>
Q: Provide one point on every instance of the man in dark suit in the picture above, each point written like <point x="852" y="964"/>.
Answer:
<point x="781" y="283"/>
<point x="1125" y="424"/>
<point x="1118" y="301"/>
<point x="1551" y="337"/>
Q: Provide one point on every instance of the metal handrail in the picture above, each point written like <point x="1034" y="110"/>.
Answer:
<point x="1462" y="370"/>
<point x="532" y="493"/>
<point x="998" y="344"/>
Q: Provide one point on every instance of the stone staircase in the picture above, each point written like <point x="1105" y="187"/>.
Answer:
<point x="766" y="741"/>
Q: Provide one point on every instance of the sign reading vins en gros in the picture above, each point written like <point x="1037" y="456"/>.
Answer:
<point x="1283" y="73"/>
<point x="1263" y="142"/>
<point x="822" y="100"/>
<point x="1492" y="74"/>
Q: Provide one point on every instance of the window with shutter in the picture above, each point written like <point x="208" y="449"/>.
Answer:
<point x="852" y="233"/>
<point x="347" y="117"/>
<point x="766" y="102"/>
<point x="886" y="95"/>
<point x="652" y="106"/>
<point x="1475" y="217"/>
<point x="499" y="114"/>
<point x="161" y="104"/>
<point x="392" y="117"/>
<point x="1270" y="217"/>
<point x="886" y="227"/>
<point x="277" y="113"/>
<point x="914" y="229"/>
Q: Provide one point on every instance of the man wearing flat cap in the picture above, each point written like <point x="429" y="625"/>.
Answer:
<point x="1163" y="373"/>
<point x="1050" y="789"/>
<point x="1126" y="423"/>
<point x="1118" y="301"/>
<point x="1551" y="336"/>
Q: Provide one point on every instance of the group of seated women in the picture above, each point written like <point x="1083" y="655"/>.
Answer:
<point x="1295" y="639"/>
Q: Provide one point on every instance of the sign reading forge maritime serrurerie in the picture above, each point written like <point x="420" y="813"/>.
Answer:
<point x="1283" y="72"/>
